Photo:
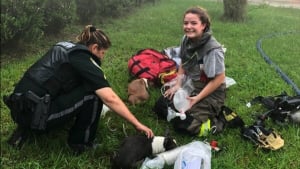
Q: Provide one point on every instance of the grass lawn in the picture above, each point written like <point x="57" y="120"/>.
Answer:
<point x="158" y="27"/>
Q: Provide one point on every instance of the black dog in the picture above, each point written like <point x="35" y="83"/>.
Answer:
<point x="134" y="149"/>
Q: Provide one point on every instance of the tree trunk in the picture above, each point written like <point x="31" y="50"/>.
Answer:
<point x="235" y="10"/>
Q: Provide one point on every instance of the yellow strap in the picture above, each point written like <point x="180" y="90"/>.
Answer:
<point x="230" y="116"/>
<point x="205" y="128"/>
<point x="275" y="141"/>
<point x="164" y="74"/>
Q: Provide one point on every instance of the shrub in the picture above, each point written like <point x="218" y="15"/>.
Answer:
<point x="114" y="8"/>
<point x="28" y="21"/>
<point x="86" y="10"/>
<point x="21" y="20"/>
<point x="58" y="14"/>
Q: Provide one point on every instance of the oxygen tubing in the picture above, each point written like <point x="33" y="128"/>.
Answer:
<point x="270" y="62"/>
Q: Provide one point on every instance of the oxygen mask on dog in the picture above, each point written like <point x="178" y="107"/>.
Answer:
<point x="180" y="101"/>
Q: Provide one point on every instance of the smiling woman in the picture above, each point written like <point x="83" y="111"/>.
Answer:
<point x="202" y="60"/>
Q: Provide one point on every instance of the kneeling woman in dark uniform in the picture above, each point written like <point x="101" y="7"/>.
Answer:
<point x="67" y="82"/>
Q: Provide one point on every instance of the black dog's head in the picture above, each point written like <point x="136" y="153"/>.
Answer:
<point x="169" y="143"/>
<point x="133" y="149"/>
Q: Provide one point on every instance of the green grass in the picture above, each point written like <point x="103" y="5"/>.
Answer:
<point x="159" y="27"/>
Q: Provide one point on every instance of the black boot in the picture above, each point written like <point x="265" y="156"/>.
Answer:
<point x="81" y="148"/>
<point x="18" y="137"/>
<point x="231" y="119"/>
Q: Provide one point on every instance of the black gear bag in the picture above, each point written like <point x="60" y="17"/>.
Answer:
<point x="280" y="108"/>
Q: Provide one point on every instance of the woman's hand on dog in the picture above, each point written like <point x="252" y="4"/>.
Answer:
<point x="144" y="129"/>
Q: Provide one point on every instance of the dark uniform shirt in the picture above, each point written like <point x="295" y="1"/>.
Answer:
<point x="82" y="69"/>
<point x="88" y="68"/>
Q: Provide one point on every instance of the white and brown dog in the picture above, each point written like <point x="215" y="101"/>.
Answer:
<point x="138" y="91"/>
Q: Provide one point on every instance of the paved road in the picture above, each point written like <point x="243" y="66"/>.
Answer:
<point x="278" y="3"/>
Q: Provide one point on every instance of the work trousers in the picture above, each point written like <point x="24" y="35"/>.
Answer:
<point x="207" y="108"/>
<point x="85" y="108"/>
<point x="78" y="105"/>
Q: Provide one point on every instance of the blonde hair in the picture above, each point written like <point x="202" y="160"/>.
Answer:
<point x="91" y="35"/>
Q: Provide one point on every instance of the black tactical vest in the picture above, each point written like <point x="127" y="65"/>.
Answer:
<point x="53" y="71"/>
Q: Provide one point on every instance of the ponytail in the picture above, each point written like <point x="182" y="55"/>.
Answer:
<point x="92" y="35"/>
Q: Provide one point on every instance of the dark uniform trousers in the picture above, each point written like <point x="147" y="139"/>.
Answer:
<point x="85" y="108"/>
<point x="78" y="107"/>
